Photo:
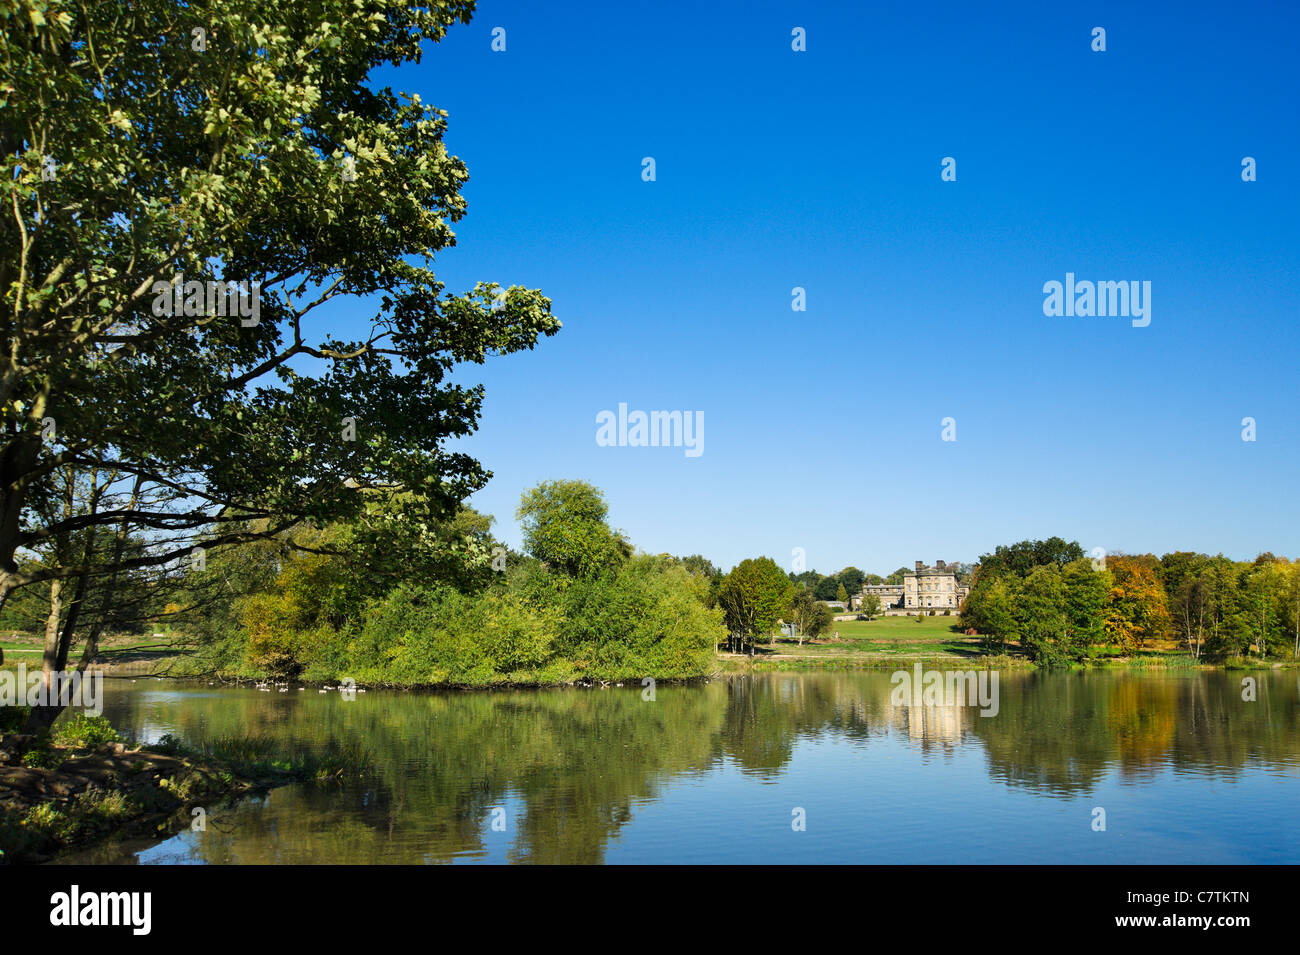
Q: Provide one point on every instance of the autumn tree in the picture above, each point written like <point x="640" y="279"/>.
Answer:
<point x="1137" y="612"/>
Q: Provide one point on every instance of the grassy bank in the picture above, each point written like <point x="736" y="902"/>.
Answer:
<point x="119" y="654"/>
<point x="936" y="641"/>
<point x="82" y="784"/>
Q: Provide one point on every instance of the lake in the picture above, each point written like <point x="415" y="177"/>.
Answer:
<point x="1185" y="770"/>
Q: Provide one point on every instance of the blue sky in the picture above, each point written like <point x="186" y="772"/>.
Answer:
<point x="821" y="169"/>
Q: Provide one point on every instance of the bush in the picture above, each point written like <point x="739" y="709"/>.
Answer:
<point x="645" y="617"/>
<point x="418" y="635"/>
<point x="44" y="757"/>
<point x="87" y="731"/>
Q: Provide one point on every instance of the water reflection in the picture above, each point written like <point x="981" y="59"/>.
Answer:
<point x="569" y="772"/>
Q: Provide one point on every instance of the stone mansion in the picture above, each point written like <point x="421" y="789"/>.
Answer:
<point x="926" y="588"/>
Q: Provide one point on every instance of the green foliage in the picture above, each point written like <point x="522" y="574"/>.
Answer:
<point x="85" y="731"/>
<point x="827" y="588"/>
<point x="645" y="618"/>
<point x="85" y="815"/>
<point x="1086" y="593"/>
<point x="564" y="525"/>
<point x="810" y="617"/>
<point x="218" y="166"/>
<point x="415" y="636"/>
<point x="1212" y="605"/>
<point x="1054" y="610"/>
<point x="851" y="579"/>
<point x="1039" y="612"/>
<point x="991" y="614"/>
<point x="588" y="611"/>
<point x="45" y="757"/>
<point x="1021" y="558"/>
<point x="753" y="597"/>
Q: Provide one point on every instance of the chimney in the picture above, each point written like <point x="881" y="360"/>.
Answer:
<point x="938" y="565"/>
<point x="919" y="565"/>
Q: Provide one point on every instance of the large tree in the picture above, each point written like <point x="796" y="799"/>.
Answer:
<point x="753" y="597"/>
<point x="565" y="525"/>
<point x="1137" y="613"/>
<point x="161" y="151"/>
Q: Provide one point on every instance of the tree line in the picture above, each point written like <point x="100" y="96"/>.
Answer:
<point x="1061" y="605"/>
<point x="385" y="601"/>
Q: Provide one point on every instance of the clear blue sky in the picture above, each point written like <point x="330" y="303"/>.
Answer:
<point x="821" y="169"/>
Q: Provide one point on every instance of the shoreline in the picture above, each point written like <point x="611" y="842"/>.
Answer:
<point x="725" y="664"/>
<point x="98" y="794"/>
<point x="59" y="797"/>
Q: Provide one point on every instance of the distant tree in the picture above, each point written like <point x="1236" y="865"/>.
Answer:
<point x="703" y="567"/>
<point x="1265" y="593"/>
<point x="851" y="579"/>
<point x="826" y="588"/>
<point x="1022" y="557"/>
<point x="998" y="625"/>
<point x="897" y="576"/>
<point x="820" y="622"/>
<point x="1014" y="561"/>
<point x="753" y="597"/>
<point x="1182" y="575"/>
<point x="1228" y="627"/>
<point x="841" y="594"/>
<point x="810" y="618"/>
<point x="564" y="525"/>
<point x="870" y="606"/>
<point x="808" y="579"/>
<point x="962" y="570"/>
<point x="1040" y="616"/>
<point x="1086" y="590"/>
<point x="1137" y="612"/>
<point x="698" y="564"/>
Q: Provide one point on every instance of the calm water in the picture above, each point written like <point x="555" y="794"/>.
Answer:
<point x="1186" y="771"/>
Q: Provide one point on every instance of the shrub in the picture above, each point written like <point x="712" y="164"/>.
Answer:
<point x="444" y="636"/>
<point x="646" y="618"/>
<point x="44" y="757"/>
<point x="88" y="731"/>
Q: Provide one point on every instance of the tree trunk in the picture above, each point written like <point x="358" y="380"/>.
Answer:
<point x="16" y="462"/>
<point x="42" y="717"/>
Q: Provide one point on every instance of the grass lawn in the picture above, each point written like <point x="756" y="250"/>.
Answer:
<point x="896" y="639"/>
<point x="20" y="647"/>
<point x="883" y="638"/>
